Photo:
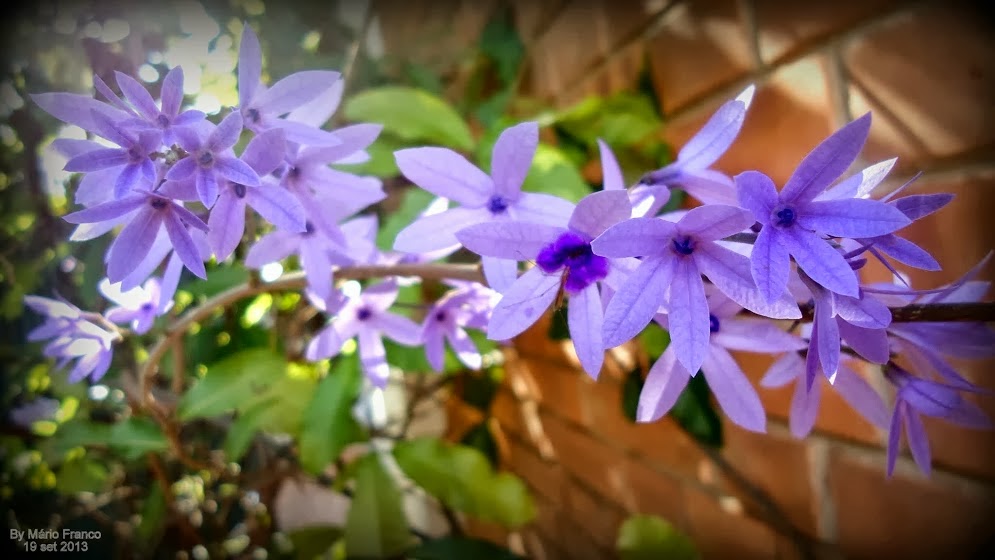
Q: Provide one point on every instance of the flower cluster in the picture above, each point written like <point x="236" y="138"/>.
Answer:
<point x="715" y="276"/>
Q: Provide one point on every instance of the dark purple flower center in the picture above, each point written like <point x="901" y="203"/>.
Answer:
<point x="683" y="245"/>
<point x="146" y="307"/>
<point x="783" y="216"/>
<point x="253" y="115"/>
<point x="573" y="252"/>
<point x="363" y="313"/>
<point x="713" y="323"/>
<point x="158" y="203"/>
<point x="205" y="159"/>
<point x="308" y="228"/>
<point x="135" y="154"/>
<point x="162" y="121"/>
<point x="293" y="173"/>
<point x="497" y="204"/>
<point x="239" y="189"/>
<point x="441" y="315"/>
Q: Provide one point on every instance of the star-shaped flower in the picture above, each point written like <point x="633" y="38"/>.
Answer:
<point x="138" y="306"/>
<point x="212" y="158"/>
<point x="131" y="162"/>
<point x="467" y="306"/>
<point x="166" y="118"/>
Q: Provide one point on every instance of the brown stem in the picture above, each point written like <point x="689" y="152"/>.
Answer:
<point x="983" y="312"/>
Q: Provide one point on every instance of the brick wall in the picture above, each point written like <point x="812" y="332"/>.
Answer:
<point x="927" y="71"/>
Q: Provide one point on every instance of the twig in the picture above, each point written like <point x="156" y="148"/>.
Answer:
<point x="983" y="312"/>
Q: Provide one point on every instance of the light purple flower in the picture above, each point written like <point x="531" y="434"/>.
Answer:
<point x="674" y="256"/>
<point x="483" y="198"/>
<point x="166" y="118"/>
<point x="445" y="321"/>
<point x="737" y="397"/>
<point x="690" y="171"/>
<point x="127" y="165"/>
<point x="902" y="250"/>
<point x="795" y="223"/>
<point x="212" y="158"/>
<point x="564" y="258"/>
<point x="39" y="409"/>
<point x="138" y="306"/>
<point x="307" y="171"/>
<point x="367" y="318"/>
<point x="135" y="240"/>
<point x="277" y="205"/>
<point x="72" y="338"/>
<point x="261" y="107"/>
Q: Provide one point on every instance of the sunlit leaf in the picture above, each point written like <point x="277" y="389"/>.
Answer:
<point x="376" y="526"/>
<point x="328" y="422"/>
<point x="411" y="114"/>
<point x="81" y="475"/>
<point x="552" y="172"/>
<point x="310" y="542"/>
<point x="648" y="537"/>
<point x="136" y="436"/>
<point x="230" y="383"/>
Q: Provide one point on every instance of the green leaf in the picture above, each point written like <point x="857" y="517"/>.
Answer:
<point x="413" y="203"/>
<point x="621" y="120"/>
<point x="478" y="389"/>
<point x="328" y="422"/>
<point x="244" y="429"/>
<point x="81" y="475"/>
<point x="153" y="517"/>
<point x="480" y="438"/>
<point x="631" y="389"/>
<point x="654" y="340"/>
<point x="559" y="329"/>
<point x="552" y="172"/>
<point x="694" y="412"/>
<point x="381" y="163"/>
<point x="219" y="279"/>
<point x="81" y="433"/>
<point x="230" y="383"/>
<point x="461" y="548"/>
<point x="135" y="437"/>
<point x="314" y="541"/>
<point x="648" y="537"/>
<point x="500" y="42"/>
<point x="411" y="114"/>
<point x="376" y="526"/>
<point x="461" y="477"/>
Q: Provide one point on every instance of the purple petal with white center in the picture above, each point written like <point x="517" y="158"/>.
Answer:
<point x="279" y="206"/>
<point x="915" y="435"/>
<point x="295" y="90"/>
<point x="373" y="356"/>
<point x="921" y="205"/>
<point x="437" y="231"/>
<point x="688" y="310"/>
<point x="584" y="318"/>
<point x="106" y="211"/>
<point x="861" y="396"/>
<point x="95" y="160"/>
<point x="540" y="208"/>
<point x="522" y="304"/>
<point x="172" y="92"/>
<point x="272" y="247"/>
<point x="398" y="328"/>
<point x="499" y="273"/>
<point x="182" y="169"/>
<point x="598" y="211"/>
<point x="636" y="237"/>
<point x="610" y="170"/>
<point x="637" y="300"/>
<point x="466" y="350"/>
<point x="184" y="245"/>
<point x="133" y="243"/>
<point x="755" y="335"/>
<point x="859" y="184"/>
<point x="665" y="382"/>
<point x="852" y="218"/>
<point x="871" y="344"/>
<point x="820" y="261"/>
<point x="718" y="133"/>
<point x="317" y="268"/>
<point x="770" y="263"/>
<point x="905" y="252"/>
<point x="504" y="239"/>
<point x="226" y="134"/>
<point x="736" y="396"/>
<point x="714" y="221"/>
<point x="445" y="173"/>
<point x="250" y="64"/>
<point x="265" y="152"/>
<point x="226" y="224"/>
<point x="756" y="192"/>
<point x="804" y="409"/>
<point x="512" y="158"/>
<point x="826" y="162"/>
<point x="730" y="273"/>
<point x="137" y="95"/>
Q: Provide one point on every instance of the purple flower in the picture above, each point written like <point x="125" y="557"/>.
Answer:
<point x="463" y="307"/>
<point x="365" y="316"/>
<point x="737" y="397"/>
<point x="166" y="118"/>
<point x="483" y="198"/>
<point x="39" y="409"/>
<point x="691" y="169"/>
<point x="902" y="250"/>
<point x="161" y="248"/>
<point x="130" y="163"/>
<point x="917" y="397"/>
<point x="138" y="306"/>
<point x="306" y="169"/>
<point x="563" y="256"/>
<point x="212" y="158"/>
<point x="136" y="239"/>
<point x="674" y="256"/>
<point x="795" y="223"/>
<point x="273" y="202"/>
<point x="261" y="107"/>
<point x="72" y="338"/>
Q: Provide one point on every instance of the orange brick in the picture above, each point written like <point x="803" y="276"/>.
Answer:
<point x="596" y="516"/>
<point x="545" y="477"/>
<point x="719" y="534"/>
<point x="557" y="388"/>
<point x="569" y="46"/>
<point x="656" y="493"/>
<point x="908" y="516"/>
<point x="485" y="530"/>
<point x="700" y="46"/>
<point x="579" y="544"/>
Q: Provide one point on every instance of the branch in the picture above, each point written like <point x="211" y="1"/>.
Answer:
<point x="931" y="312"/>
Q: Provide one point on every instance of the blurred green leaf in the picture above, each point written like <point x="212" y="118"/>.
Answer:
<point x="480" y="438"/>
<point x="500" y="42"/>
<point x="414" y="201"/>
<point x="81" y="475"/>
<point x="694" y="412"/>
<point x="376" y="526"/>
<point x="654" y="340"/>
<point x="81" y="433"/>
<point x="219" y="279"/>
<point x="411" y="114"/>
<point x="461" y="477"/>
<point x="230" y="383"/>
<point x="135" y="437"/>
<point x="632" y="386"/>
<point x="461" y="548"/>
<point x="153" y="517"/>
<point x="310" y="542"/>
<point x="648" y="537"/>
<point x="381" y="163"/>
<point x="623" y="119"/>
<point x="552" y="172"/>
<point x="328" y="422"/>
<point x="244" y="428"/>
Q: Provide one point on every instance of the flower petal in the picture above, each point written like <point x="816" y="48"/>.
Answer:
<point x="398" y="328"/>
<point x="853" y="217"/>
<point x="915" y="435"/>
<point x="250" y="65"/>
<point x="373" y="356"/>
<point x="820" y="261"/>
<point x="265" y="152"/>
<point x="871" y="344"/>
<point x="466" y="350"/>
<point x="226" y="224"/>
<point x="522" y="304"/>
<point x="755" y="335"/>
<point x="184" y="245"/>
<point x="598" y="211"/>
<point x="445" y="173"/>
<point x="540" y="208"/>
<point x="611" y="172"/>
<point x="279" y="206"/>
<point x="329" y="340"/>
<point x="714" y="221"/>
<point x="861" y="396"/>
<point x="770" y="263"/>
<point x="317" y="267"/>
<point x="718" y="133"/>
<point x="132" y="244"/>
<point x="137" y="95"/>
<point x="905" y="252"/>
<point x="826" y="162"/>
<point x="804" y="408"/>
<point x="500" y="274"/>
<point x="272" y="247"/>
<point x="512" y="158"/>
<point x="756" y="192"/>
<point x="584" y="318"/>
<point x="636" y="237"/>
<point x="665" y="382"/>
<point x="921" y="205"/>
<point x="106" y="211"/>
<point x="859" y="184"/>
<point x="637" y="300"/>
<point x="95" y="160"/>
<point x="730" y="273"/>
<point x="172" y="92"/>
<point x="226" y="134"/>
<point x="518" y="241"/>
<point x="688" y="314"/>
<point x="294" y="91"/>
<point x="437" y="231"/>
<point x="735" y="393"/>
